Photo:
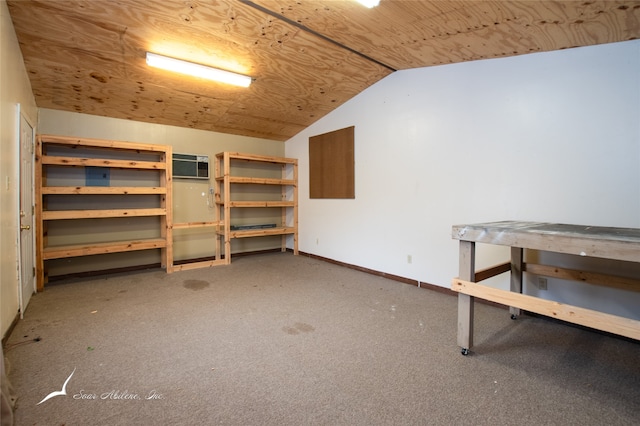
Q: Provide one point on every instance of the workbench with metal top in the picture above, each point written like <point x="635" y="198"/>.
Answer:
<point x="621" y="244"/>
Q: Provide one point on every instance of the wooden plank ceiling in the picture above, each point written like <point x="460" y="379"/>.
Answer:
<point x="306" y="57"/>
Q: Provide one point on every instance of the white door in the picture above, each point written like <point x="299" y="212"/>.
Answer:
<point x="26" y="240"/>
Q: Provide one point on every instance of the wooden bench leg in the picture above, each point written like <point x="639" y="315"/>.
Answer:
<point x="516" y="276"/>
<point x="465" y="322"/>
<point x="467" y="267"/>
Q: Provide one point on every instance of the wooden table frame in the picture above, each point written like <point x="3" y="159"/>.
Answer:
<point x="621" y="244"/>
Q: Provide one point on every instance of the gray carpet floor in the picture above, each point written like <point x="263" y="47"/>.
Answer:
<point x="277" y="339"/>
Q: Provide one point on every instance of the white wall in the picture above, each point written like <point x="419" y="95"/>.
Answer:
<point x="552" y="137"/>
<point x="14" y="89"/>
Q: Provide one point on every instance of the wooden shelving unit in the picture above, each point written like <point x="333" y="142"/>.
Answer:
<point x="107" y="154"/>
<point x="225" y="183"/>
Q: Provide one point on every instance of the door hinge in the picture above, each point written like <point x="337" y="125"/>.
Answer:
<point x="34" y="271"/>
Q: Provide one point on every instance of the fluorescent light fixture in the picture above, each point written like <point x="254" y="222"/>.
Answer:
<point x="369" y="3"/>
<point x="197" y="70"/>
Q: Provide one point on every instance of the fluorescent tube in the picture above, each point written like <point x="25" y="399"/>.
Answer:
<point x="197" y="70"/>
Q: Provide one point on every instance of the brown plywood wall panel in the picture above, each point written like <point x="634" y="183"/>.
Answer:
<point x="89" y="57"/>
<point x="332" y="164"/>
<point x="306" y="57"/>
<point x="408" y="34"/>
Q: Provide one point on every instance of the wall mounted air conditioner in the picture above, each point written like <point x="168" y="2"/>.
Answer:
<point x="190" y="166"/>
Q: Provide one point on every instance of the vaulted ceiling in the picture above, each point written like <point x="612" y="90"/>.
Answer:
<point x="306" y="57"/>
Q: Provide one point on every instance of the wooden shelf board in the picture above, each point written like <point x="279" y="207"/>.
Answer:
<point x="261" y="204"/>
<point x="260" y="181"/>
<point x="198" y="265"/>
<point x="97" y="214"/>
<point x="260" y="232"/>
<point x="60" y="252"/>
<point x="102" y="190"/>
<point x="187" y="225"/>
<point x="255" y="157"/>
<point x="102" y="162"/>
<point x="103" y="143"/>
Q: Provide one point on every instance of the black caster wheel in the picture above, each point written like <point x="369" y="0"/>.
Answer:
<point x="514" y="317"/>
<point x="464" y="351"/>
